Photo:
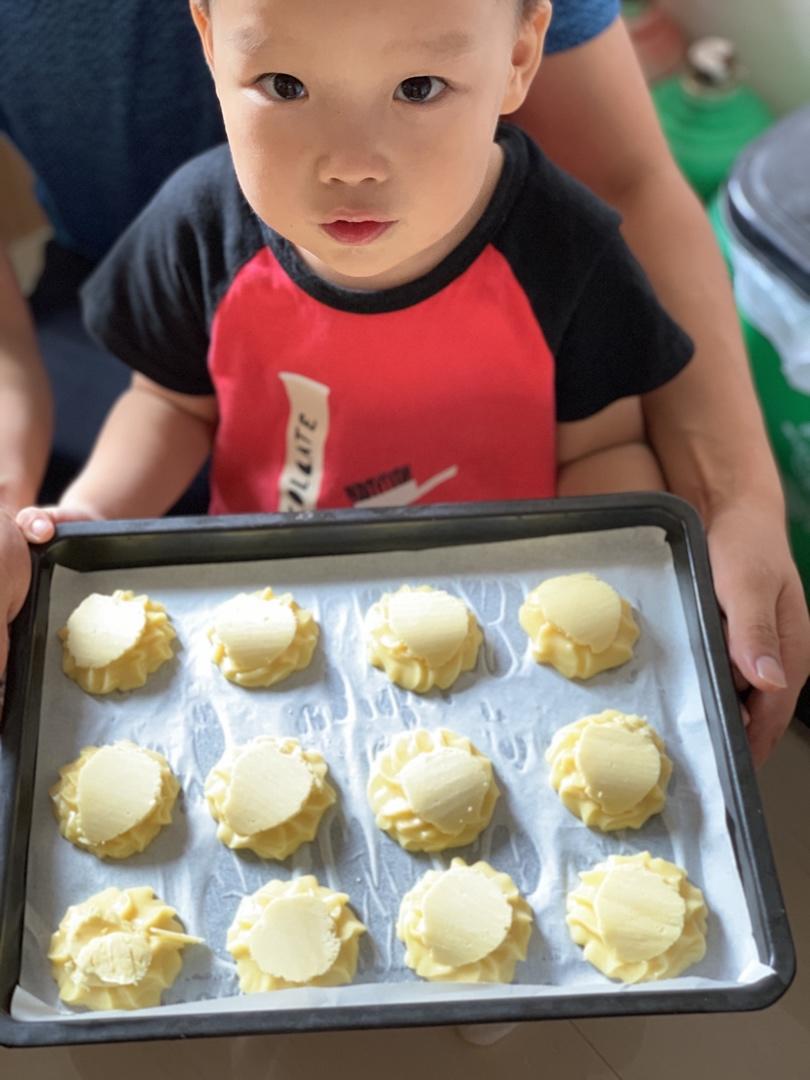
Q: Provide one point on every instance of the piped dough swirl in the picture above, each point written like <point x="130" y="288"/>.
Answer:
<point x="422" y="637"/>
<point x="610" y="769"/>
<point x="129" y="784"/>
<point x="579" y="625"/>
<point x="432" y="790"/>
<point x="119" y="949"/>
<point x="294" y="933"/>
<point x="260" y="638"/>
<point x="115" y="642"/>
<point x="638" y="918"/>
<point x="268" y="795"/>
<point x="465" y="924"/>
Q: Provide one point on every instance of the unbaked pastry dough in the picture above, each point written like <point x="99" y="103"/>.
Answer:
<point x="114" y="800"/>
<point x="579" y="625"/>
<point x="639" y="918"/>
<point x="268" y="795"/>
<point x="294" y="933"/>
<point x="115" y="642"/>
<point x="119" y="949"/>
<point x="432" y="790"/>
<point x="259" y="638"/>
<point x="422" y="637"/>
<point x="465" y="924"/>
<point x="611" y="770"/>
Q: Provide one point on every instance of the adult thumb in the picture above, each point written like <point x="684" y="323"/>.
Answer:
<point x="753" y="641"/>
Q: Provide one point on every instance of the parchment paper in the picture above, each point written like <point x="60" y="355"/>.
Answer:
<point x="509" y="706"/>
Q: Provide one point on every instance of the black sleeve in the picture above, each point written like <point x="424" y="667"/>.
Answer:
<point x="608" y="333"/>
<point x="619" y="341"/>
<point x="152" y="300"/>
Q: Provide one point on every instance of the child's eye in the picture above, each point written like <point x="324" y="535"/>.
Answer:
<point x="282" y="87"/>
<point x="420" y="88"/>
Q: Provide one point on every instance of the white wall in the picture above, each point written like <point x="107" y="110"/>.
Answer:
<point x="773" y="37"/>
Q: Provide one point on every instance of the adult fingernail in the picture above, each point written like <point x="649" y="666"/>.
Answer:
<point x="770" y="670"/>
<point x="39" y="526"/>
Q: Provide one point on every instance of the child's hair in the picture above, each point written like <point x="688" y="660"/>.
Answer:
<point x="526" y="8"/>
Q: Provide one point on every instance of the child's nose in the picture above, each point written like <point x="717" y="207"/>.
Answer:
<point x="352" y="163"/>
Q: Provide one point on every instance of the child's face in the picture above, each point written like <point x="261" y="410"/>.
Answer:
<point x="368" y="111"/>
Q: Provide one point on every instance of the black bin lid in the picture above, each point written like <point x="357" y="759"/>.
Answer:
<point x="768" y="197"/>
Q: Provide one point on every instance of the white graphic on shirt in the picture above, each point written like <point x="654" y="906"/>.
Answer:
<point x="307" y="428"/>
<point x="407" y="493"/>
<point x="301" y="477"/>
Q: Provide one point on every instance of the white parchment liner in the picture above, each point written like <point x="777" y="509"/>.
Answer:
<point x="509" y="706"/>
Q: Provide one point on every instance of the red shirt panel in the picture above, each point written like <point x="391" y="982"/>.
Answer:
<point x="320" y="407"/>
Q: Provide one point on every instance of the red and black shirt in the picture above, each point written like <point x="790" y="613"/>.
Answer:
<point x="447" y="388"/>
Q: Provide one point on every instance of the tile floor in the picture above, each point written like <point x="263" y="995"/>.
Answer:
<point x="770" y="1045"/>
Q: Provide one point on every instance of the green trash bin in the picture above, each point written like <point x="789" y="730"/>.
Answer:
<point x="708" y="114"/>
<point x="762" y="221"/>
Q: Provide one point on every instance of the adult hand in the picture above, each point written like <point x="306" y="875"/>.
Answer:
<point x="15" y="577"/>
<point x="761" y="594"/>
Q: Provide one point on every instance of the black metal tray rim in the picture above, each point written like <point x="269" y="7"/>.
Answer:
<point x="626" y="510"/>
<point x="589" y="1003"/>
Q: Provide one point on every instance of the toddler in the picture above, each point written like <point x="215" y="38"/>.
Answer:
<point x="377" y="293"/>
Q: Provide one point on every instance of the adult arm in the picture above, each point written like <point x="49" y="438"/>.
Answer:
<point x="25" y="398"/>
<point x="25" y="438"/>
<point x="15" y="577"/>
<point x="590" y="110"/>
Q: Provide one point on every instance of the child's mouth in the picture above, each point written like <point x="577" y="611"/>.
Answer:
<point x="356" y="232"/>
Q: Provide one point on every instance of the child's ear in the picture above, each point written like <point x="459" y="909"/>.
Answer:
<point x="200" y="13"/>
<point x="526" y="55"/>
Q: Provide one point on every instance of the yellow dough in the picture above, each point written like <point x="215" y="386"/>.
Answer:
<point x="422" y="637"/>
<point x="294" y="933"/>
<point x="432" y="790"/>
<point x="465" y="924"/>
<point x="114" y="800"/>
<point x="259" y="638"/>
<point x="268" y="795"/>
<point x="611" y="770"/>
<point x="119" y="949"/>
<point x="579" y="625"/>
<point x="639" y="918"/>
<point x="115" y="642"/>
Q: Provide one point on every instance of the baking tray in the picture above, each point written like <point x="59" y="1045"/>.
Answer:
<point x="113" y="545"/>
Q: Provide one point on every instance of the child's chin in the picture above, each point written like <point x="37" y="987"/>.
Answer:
<point x="357" y="266"/>
<point x="359" y="262"/>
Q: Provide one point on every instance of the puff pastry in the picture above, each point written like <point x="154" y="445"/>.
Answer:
<point x="422" y="637"/>
<point x="115" y="642"/>
<point x="294" y="933"/>
<point x="432" y="790"/>
<point x="114" y="800"/>
<point x="268" y="795"/>
<point x="260" y="638"/>
<point x="465" y="924"/>
<point x="119" y="949"/>
<point x="610" y="769"/>
<point x="638" y="918"/>
<point x="578" y="624"/>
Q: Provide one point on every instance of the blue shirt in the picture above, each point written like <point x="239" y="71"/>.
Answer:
<point x="106" y="98"/>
